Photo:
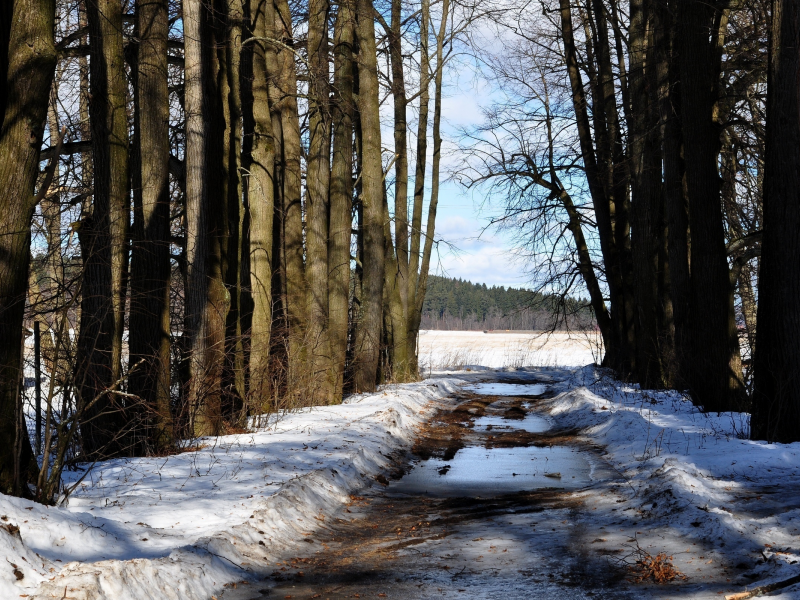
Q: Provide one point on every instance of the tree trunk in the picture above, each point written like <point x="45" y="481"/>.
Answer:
<point x="317" y="203"/>
<point x="419" y="187"/>
<point x="341" y="193"/>
<point x="430" y="228"/>
<point x="205" y="292"/>
<point x="395" y="325"/>
<point x="675" y="202"/>
<point x="292" y="264"/>
<point x="614" y="356"/>
<point x="398" y="278"/>
<point x="614" y="174"/>
<point x="29" y="52"/>
<point x="776" y="394"/>
<point x="150" y="259"/>
<point x="646" y="196"/>
<point x="99" y="365"/>
<point x="233" y="384"/>
<point x="716" y="376"/>
<point x="261" y="206"/>
<point x="368" y="328"/>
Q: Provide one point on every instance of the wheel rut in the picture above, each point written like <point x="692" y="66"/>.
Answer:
<point x="456" y="539"/>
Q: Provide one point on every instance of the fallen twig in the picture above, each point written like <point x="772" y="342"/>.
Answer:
<point x="764" y="589"/>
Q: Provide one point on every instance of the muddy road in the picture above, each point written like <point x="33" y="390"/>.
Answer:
<point x="494" y="502"/>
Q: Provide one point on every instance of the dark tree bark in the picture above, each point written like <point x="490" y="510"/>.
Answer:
<point x="776" y="395"/>
<point x="647" y="232"/>
<point x="150" y="257"/>
<point x="614" y="173"/>
<point x="233" y="376"/>
<point x="397" y="278"/>
<point x="368" y="328"/>
<point x="614" y="356"/>
<point x="104" y="235"/>
<point x="715" y="378"/>
<point x="430" y="227"/>
<point x="675" y="201"/>
<point x="292" y="271"/>
<point x="29" y="56"/>
<point x="6" y="19"/>
<point x="205" y="303"/>
<point x="294" y="293"/>
<point x="419" y="186"/>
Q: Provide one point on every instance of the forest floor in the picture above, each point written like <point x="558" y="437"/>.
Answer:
<point x="546" y="481"/>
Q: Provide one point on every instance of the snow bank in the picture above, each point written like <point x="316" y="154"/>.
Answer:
<point x="695" y="475"/>
<point x="186" y="526"/>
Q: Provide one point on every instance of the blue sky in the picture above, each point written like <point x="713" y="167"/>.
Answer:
<point x="483" y="256"/>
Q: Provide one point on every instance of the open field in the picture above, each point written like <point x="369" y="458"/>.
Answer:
<point x="457" y="350"/>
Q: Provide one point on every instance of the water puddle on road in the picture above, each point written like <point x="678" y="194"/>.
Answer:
<point x="507" y="389"/>
<point x="497" y="423"/>
<point x="480" y="472"/>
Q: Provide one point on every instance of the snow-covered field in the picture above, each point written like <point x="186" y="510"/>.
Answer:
<point x="446" y="350"/>
<point x="186" y="526"/>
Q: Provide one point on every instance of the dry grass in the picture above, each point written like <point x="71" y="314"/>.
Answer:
<point x="648" y="568"/>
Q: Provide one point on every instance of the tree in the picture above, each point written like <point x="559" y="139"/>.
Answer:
<point x="341" y="191"/>
<point x="235" y="202"/>
<point x="368" y="326"/>
<point x="150" y="255"/>
<point x="104" y="234"/>
<point x="29" y="60"/>
<point x="776" y="394"/>
<point x="715" y="376"/>
<point x="260" y="190"/>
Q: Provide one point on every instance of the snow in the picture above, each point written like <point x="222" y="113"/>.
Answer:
<point x="460" y="350"/>
<point x="692" y="477"/>
<point x="184" y="526"/>
<point x="687" y="483"/>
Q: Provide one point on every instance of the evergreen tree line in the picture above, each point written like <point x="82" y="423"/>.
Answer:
<point x="453" y="305"/>
<point x="201" y="220"/>
<point x="649" y="152"/>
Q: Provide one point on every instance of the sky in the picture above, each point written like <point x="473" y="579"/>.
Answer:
<point x="472" y="251"/>
<point x="484" y="255"/>
<point x="479" y="255"/>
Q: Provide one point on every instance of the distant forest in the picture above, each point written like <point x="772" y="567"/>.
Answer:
<point x="456" y="305"/>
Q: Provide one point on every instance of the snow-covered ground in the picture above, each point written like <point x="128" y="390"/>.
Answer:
<point x="185" y="526"/>
<point x="445" y="350"/>
<point x="701" y="491"/>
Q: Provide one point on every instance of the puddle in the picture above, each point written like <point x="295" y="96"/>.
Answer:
<point x="531" y="423"/>
<point x="507" y="389"/>
<point x="476" y="471"/>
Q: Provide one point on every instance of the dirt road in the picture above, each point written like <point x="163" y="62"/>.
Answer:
<point x="464" y="536"/>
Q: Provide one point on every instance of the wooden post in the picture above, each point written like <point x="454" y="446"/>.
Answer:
<point x="37" y="365"/>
